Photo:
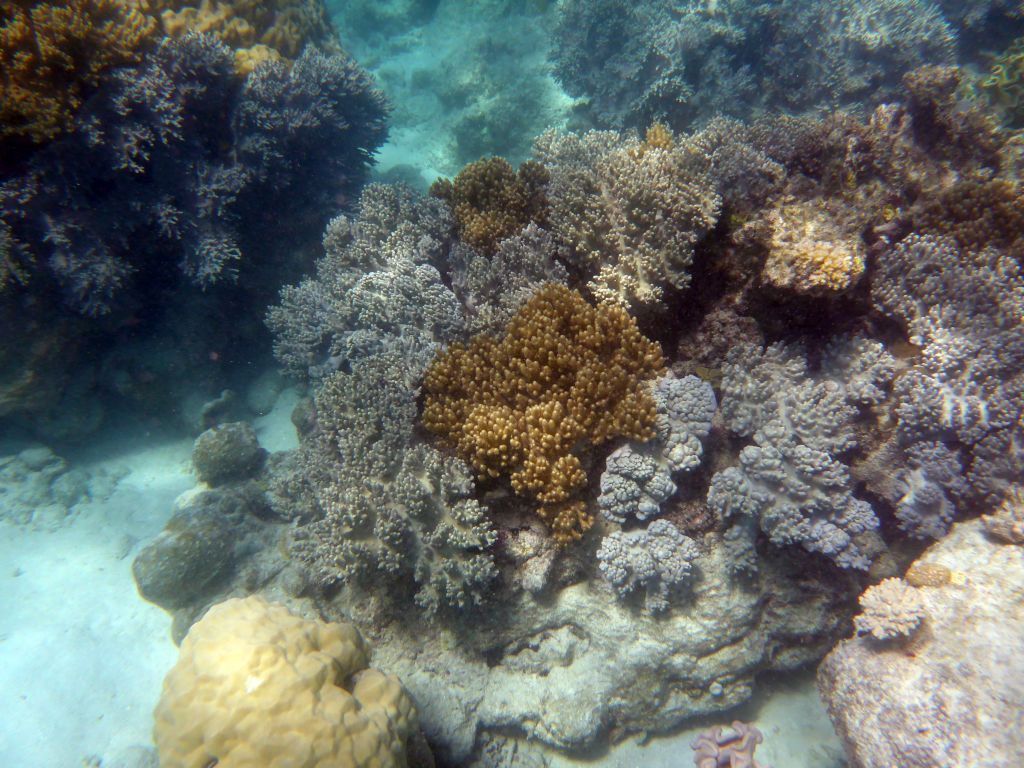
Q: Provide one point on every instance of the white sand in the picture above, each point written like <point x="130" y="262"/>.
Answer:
<point x="82" y="656"/>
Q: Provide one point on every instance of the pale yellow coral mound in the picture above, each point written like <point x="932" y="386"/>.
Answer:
<point x="256" y="686"/>
<point x="810" y="252"/>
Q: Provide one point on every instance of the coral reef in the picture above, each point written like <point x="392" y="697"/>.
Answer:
<point x="931" y="705"/>
<point x="221" y="702"/>
<point x="686" y="64"/>
<point x="491" y="201"/>
<point x="658" y="559"/>
<point x="384" y="507"/>
<point x="493" y="288"/>
<point x="631" y="212"/>
<point x="964" y="310"/>
<point x="54" y="53"/>
<point x="731" y="747"/>
<point x="172" y="165"/>
<point x="890" y="609"/>
<point x="638" y="478"/>
<point x="375" y="286"/>
<point x="564" y="377"/>
<point x="977" y="214"/>
<point x="791" y="479"/>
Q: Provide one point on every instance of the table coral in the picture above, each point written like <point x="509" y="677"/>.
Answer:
<point x="491" y="201"/>
<point x="52" y="54"/>
<point x="564" y="377"/>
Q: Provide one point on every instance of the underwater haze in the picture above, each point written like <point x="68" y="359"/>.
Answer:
<point x="512" y="384"/>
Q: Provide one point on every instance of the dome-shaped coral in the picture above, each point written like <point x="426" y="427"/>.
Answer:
<point x="256" y="686"/>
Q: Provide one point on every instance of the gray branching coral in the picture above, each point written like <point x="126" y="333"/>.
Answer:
<point x="792" y="479"/>
<point x="387" y="507"/>
<point x="657" y="559"/>
<point x="638" y="477"/>
<point x="965" y="310"/>
<point x="376" y="285"/>
<point x="630" y="211"/>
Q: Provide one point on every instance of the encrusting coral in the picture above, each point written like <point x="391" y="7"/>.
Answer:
<point x="255" y="685"/>
<point x="52" y="54"/>
<point x="564" y="377"/>
<point x="491" y="201"/>
<point x="809" y="253"/>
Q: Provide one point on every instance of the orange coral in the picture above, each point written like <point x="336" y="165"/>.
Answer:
<point x="257" y="29"/>
<point x="491" y="201"/>
<point x="52" y="53"/>
<point x="565" y="376"/>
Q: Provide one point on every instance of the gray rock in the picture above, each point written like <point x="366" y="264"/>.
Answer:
<point x="228" y="452"/>
<point x="192" y="553"/>
<point x="262" y="394"/>
<point x="569" y="671"/>
<point x="954" y="693"/>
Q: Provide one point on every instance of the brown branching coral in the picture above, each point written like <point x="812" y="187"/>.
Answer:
<point x="258" y="30"/>
<point x="52" y="53"/>
<point x="491" y="201"/>
<point x="565" y="376"/>
<point x="978" y="214"/>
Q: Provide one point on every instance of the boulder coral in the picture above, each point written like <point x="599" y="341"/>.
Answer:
<point x="255" y="685"/>
<point x="565" y="376"/>
<point x="53" y="53"/>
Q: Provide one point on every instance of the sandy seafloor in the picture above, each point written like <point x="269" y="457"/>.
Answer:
<point x="82" y="656"/>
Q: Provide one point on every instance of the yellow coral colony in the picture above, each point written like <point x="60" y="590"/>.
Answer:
<point x="810" y="253"/>
<point x="51" y="53"/>
<point x="566" y="376"/>
<point x="257" y="686"/>
<point x="257" y="29"/>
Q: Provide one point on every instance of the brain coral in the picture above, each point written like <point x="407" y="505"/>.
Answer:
<point x="565" y="376"/>
<point x="52" y="53"/>
<point x="257" y="686"/>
